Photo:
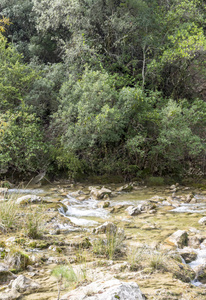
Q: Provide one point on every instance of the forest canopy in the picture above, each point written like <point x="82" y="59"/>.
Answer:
<point x="103" y="87"/>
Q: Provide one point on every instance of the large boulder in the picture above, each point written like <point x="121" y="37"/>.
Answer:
<point x="28" y="199"/>
<point x="109" y="290"/>
<point x="178" y="239"/>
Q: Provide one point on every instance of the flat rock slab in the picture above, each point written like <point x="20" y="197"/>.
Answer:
<point x="109" y="290"/>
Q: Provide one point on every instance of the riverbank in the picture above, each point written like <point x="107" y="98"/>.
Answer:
<point x="151" y="236"/>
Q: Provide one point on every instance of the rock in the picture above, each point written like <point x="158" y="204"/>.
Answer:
<point x="188" y="198"/>
<point x="117" y="209"/>
<point x="99" y="194"/>
<point x="188" y="254"/>
<point x="17" y="260"/>
<point x="77" y="193"/>
<point x="194" y="241"/>
<point x="193" y="200"/>
<point x="5" y="274"/>
<point x="179" y="270"/>
<point x="110" y="290"/>
<point x="157" y="198"/>
<point x="23" y="284"/>
<point x="82" y="197"/>
<point x="172" y="187"/>
<point x="202" y="221"/>
<point x="106" y="227"/>
<point x="9" y="295"/>
<point x="103" y="204"/>
<point x="28" y="199"/>
<point x="201" y="273"/>
<point x="125" y="188"/>
<point x="133" y="211"/>
<point x="178" y="239"/>
<point x="143" y="207"/>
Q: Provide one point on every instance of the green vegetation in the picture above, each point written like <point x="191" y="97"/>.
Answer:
<point x="102" y="87"/>
<point x="64" y="274"/>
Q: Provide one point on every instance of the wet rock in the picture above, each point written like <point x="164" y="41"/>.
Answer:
<point x="188" y="198"/>
<point x="109" y="290"/>
<point x="28" y="199"/>
<point x="178" y="239"/>
<point x="133" y="211"/>
<point x="188" y="254"/>
<point x="201" y="273"/>
<point x="179" y="270"/>
<point x="202" y="221"/>
<point x="106" y="227"/>
<point x="117" y="209"/>
<point x="82" y="197"/>
<point x="5" y="274"/>
<point x="103" y="204"/>
<point x="193" y="200"/>
<point x="77" y="193"/>
<point x="157" y="198"/>
<point x="125" y="188"/>
<point x="99" y="194"/>
<point x="194" y="241"/>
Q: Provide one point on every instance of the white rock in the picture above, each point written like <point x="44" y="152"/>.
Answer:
<point x="99" y="194"/>
<point x="23" y="284"/>
<point x="106" y="227"/>
<point x="28" y="199"/>
<point x="179" y="239"/>
<point x="133" y="211"/>
<point x="110" y="290"/>
<point x="202" y="221"/>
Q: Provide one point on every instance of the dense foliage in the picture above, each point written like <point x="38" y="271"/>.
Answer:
<point x="103" y="87"/>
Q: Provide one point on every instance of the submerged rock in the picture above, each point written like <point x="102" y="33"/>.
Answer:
<point x="109" y="290"/>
